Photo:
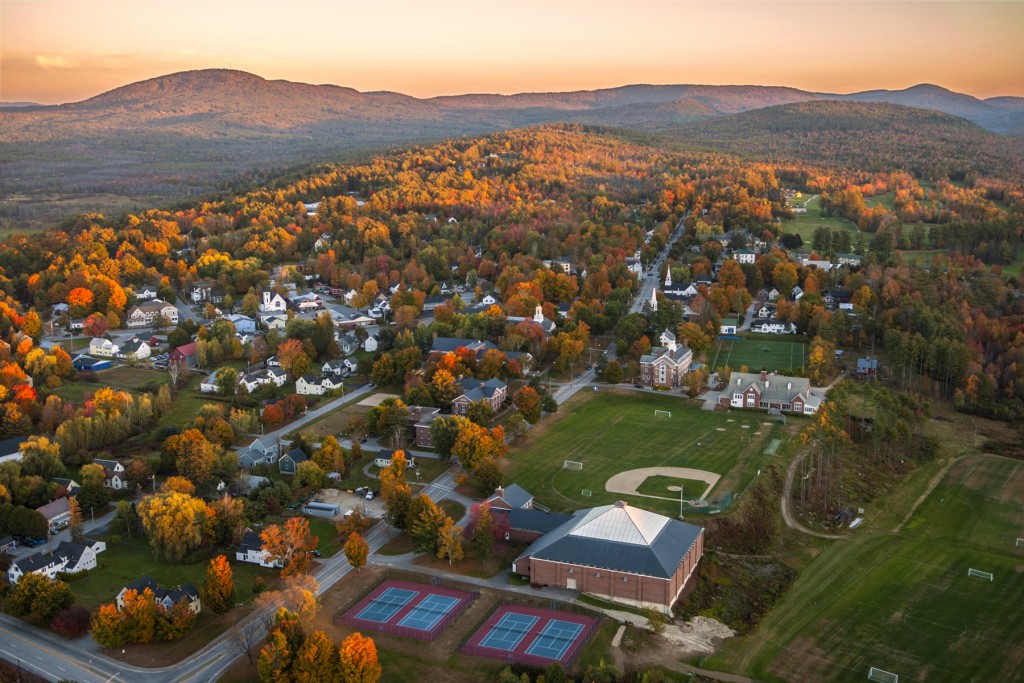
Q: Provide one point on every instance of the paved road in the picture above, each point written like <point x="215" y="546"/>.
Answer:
<point x="649" y="283"/>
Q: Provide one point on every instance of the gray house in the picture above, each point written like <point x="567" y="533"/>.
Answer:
<point x="289" y="462"/>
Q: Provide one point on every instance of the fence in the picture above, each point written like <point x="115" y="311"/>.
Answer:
<point x="349" y="619"/>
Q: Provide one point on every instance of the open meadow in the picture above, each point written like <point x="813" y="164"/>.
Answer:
<point x="804" y="224"/>
<point x="611" y="433"/>
<point x="904" y="603"/>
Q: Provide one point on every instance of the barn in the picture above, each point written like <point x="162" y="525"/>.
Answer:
<point x="618" y="552"/>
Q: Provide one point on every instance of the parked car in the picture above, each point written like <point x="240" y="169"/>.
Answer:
<point x="316" y="553"/>
<point x="369" y="495"/>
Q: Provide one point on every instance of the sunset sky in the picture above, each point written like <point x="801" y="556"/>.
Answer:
<point x="59" y="51"/>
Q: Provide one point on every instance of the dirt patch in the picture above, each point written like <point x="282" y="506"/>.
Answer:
<point x="627" y="482"/>
<point x="803" y="660"/>
<point x="375" y="400"/>
<point x="372" y="509"/>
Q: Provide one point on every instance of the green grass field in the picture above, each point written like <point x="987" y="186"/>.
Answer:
<point x="128" y="561"/>
<point x="612" y="432"/>
<point x="780" y="355"/>
<point x="886" y="200"/>
<point x="904" y="602"/>
<point x="804" y="224"/>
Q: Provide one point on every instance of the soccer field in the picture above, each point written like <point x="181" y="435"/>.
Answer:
<point x="904" y="603"/>
<point x="756" y="354"/>
<point x="612" y="432"/>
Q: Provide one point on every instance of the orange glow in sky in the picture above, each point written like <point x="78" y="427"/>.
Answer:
<point x="66" y="50"/>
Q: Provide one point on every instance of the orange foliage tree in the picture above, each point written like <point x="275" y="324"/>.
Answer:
<point x="358" y="660"/>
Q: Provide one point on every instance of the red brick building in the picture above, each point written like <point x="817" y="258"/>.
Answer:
<point x="618" y="552"/>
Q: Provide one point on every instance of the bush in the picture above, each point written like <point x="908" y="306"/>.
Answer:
<point x="71" y="622"/>
<point x="259" y="585"/>
<point x="68" y="577"/>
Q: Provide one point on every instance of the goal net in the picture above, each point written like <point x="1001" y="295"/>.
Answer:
<point x="980" y="574"/>
<point x="662" y="413"/>
<point x="572" y="465"/>
<point x="1020" y="542"/>
<point x="882" y="676"/>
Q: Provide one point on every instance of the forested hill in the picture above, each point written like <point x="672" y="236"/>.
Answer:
<point x="858" y="134"/>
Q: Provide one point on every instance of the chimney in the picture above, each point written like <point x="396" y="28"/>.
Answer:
<point x="500" y="491"/>
<point x="764" y="375"/>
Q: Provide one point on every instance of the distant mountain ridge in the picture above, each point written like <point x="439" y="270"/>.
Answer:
<point x="185" y="133"/>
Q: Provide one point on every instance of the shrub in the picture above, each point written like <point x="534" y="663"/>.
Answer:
<point x="71" y="622"/>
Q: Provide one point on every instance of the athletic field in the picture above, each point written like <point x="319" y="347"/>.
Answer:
<point x="612" y="432"/>
<point x="759" y="354"/>
<point x="904" y="603"/>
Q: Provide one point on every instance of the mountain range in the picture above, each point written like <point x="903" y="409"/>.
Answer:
<point x="182" y="133"/>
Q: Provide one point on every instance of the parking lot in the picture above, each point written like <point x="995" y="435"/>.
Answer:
<point x="350" y="501"/>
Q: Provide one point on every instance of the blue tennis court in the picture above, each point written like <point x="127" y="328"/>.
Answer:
<point x="429" y="611"/>
<point x="386" y="605"/>
<point x="509" y="632"/>
<point x="557" y="637"/>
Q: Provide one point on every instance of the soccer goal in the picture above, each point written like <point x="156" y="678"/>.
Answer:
<point x="662" y="413"/>
<point x="586" y="493"/>
<point x="980" y="574"/>
<point x="1020" y="542"/>
<point x="882" y="676"/>
<point x="572" y="465"/>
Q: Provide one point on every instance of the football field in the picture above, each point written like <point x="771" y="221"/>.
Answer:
<point x="757" y="354"/>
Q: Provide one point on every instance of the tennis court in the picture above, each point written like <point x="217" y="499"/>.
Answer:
<point x="387" y="604"/>
<point x="757" y="354"/>
<point x="509" y="632"/>
<point x="531" y="635"/>
<point x="403" y="608"/>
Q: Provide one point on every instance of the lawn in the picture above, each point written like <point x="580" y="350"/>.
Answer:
<point x="804" y="224"/>
<point x="758" y="354"/>
<point x="886" y="200"/>
<point x="904" y="602"/>
<point x="123" y="563"/>
<point x="612" y="432"/>
<point x="126" y="378"/>
<point x="336" y="421"/>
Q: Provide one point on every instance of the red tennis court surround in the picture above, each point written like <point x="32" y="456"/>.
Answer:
<point x="531" y="635"/>
<point x="404" y="608"/>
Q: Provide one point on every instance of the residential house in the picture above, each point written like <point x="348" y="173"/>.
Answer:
<point x="444" y="345"/>
<point x="272" y="302"/>
<point x="76" y="325"/>
<point x="8" y="544"/>
<point x="538" y="319"/>
<point x="143" y="314"/>
<point x="323" y="242"/>
<point x="311" y="301"/>
<point x="666" y="365"/>
<point x="259" y="452"/>
<point x="384" y="459"/>
<point x="164" y="597"/>
<point x="10" y="449"/>
<point x="57" y="514"/>
<point x="635" y="266"/>
<point x="492" y="391"/>
<point x="334" y="367"/>
<point x="773" y="327"/>
<point x="797" y="293"/>
<point x="422" y="418"/>
<point x="848" y="259"/>
<point x="276" y="376"/>
<point x="764" y="311"/>
<point x="67" y="557"/>
<point x="186" y="353"/>
<point x="253" y="381"/>
<point x="310" y="385"/>
<point x="348" y="344"/>
<point x="488" y="300"/>
<point x="146" y="293"/>
<point x="771" y="392"/>
<point x="134" y="349"/>
<point x="57" y="310"/>
<point x="251" y="550"/>
<point x="102" y="347"/>
<point x="370" y="344"/>
<point x="745" y="256"/>
<point x="209" y="385"/>
<point x="289" y="462"/>
<point x="209" y="291"/>
<point x="114" y="471"/>
<point x="275" y="322"/>
<point x="867" y="367"/>
<point x="66" y="486"/>
<point x="243" y="323"/>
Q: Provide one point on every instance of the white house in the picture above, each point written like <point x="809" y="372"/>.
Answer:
<point x="276" y="376"/>
<point x="165" y="597"/>
<point x="251" y="550"/>
<point x="99" y="346"/>
<point x="273" y="303"/>
<point x="275" y="322"/>
<point x="323" y="242"/>
<point x="114" y="471"/>
<point x="146" y="293"/>
<point x="773" y="327"/>
<point x="370" y="344"/>
<point x="209" y="385"/>
<point x="309" y="385"/>
<point x="488" y="300"/>
<point x="745" y="256"/>
<point x="134" y="349"/>
<point x="143" y="314"/>
<point x="66" y="557"/>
